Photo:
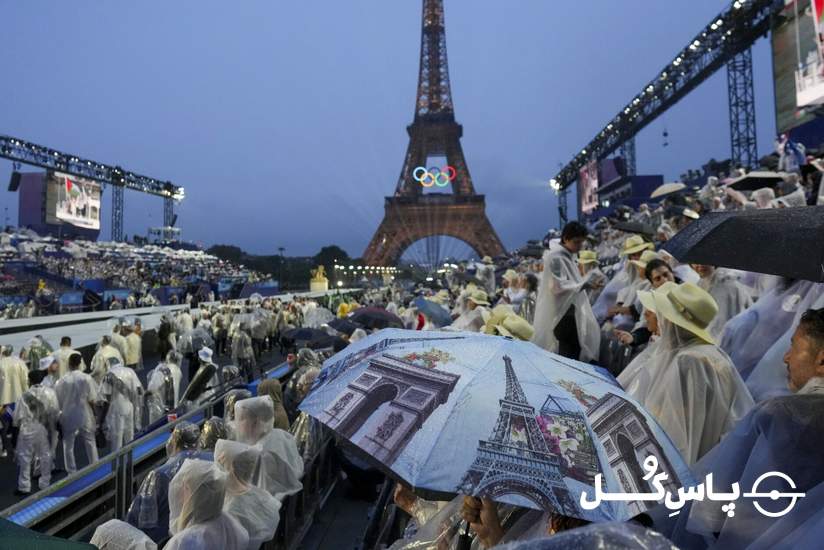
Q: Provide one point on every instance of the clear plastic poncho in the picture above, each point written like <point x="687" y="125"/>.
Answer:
<point x="731" y="296"/>
<point x="119" y="535"/>
<point x="14" y="379"/>
<point x="161" y="391"/>
<point x="75" y="392"/>
<point x="280" y="466"/>
<point x="229" y="401"/>
<point x="122" y="389"/>
<point x="256" y="510"/>
<point x="598" y="536"/>
<point x="562" y="287"/>
<point x="694" y="392"/>
<point x="196" y="516"/>
<point x="783" y="435"/>
<point x="607" y="298"/>
<point x="769" y="376"/>
<point x="103" y="358"/>
<point x="748" y="335"/>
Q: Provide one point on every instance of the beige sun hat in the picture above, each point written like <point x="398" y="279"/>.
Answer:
<point x="510" y="275"/>
<point x="497" y="316"/>
<point x="517" y="327"/>
<point x="633" y="244"/>
<point x="646" y="257"/>
<point x="487" y="260"/>
<point x="479" y="297"/>
<point x="587" y="257"/>
<point x="648" y="300"/>
<point x="688" y="306"/>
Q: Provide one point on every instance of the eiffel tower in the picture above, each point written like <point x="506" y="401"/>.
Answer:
<point x="411" y="215"/>
<point x="516" y="460"/>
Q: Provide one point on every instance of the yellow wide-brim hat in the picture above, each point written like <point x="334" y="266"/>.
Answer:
<point x="515" y="326"/>
<point x="688" y="306"/>
<point x="646" y="257"/>
<point x="587" y="257"/>
<point x="648" y="300"/>
<point x="634" y="244"/>
<point x="497" y="316"/>
<point x="479" y="297"/>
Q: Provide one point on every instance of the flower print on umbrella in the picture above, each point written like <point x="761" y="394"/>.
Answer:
<point x="428" y="359"/>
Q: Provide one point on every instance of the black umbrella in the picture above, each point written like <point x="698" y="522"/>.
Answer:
<point x="785" y="241"/>
<point x="313" y="338"/>
<point x="755" y="180"/>
<point x="344" y="326"/>
<point x="635" y="227"/>
<point x="375" y="318"/>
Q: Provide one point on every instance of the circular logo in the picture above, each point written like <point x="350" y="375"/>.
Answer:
<point x="438" y="177"/>
<point x="774" y="494"/>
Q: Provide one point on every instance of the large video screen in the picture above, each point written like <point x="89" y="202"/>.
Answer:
<point x="588" y="187"/>
<point x="793" y="42"/>
<point x="73" y="200"/>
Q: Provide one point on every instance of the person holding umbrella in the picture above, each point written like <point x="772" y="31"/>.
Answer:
<point x="564" y="322"/>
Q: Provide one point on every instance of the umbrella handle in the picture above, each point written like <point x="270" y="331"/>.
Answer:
<point x="465" y="539"/>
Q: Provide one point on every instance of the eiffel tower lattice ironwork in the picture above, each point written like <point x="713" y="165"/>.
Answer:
<point x="410" y="215"/>
<point x="516" y="459"/>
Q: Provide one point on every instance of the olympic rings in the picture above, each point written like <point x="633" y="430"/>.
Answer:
<point x="434" y="176"/>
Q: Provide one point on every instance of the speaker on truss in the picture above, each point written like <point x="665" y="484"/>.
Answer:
<point x="174" y="220"/>
<point x="14" y="181"/>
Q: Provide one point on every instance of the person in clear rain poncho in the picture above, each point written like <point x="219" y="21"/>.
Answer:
<point x="273" y="389"/>
<point x="63" y="353"/>
<point x="693" y="390"/>
<point x="104" y="356"/>
<point x="122" y="389"/>
<point x="119" y="535"/>
<point x="242" y="353"/>
<point x="564" y="322"/>
<point x="149" y="510"/>
<point x="77" y="392"/>
<point x="163" y="386"/>
<point x="229" y="401"/>
<point x="196" y="517"/>
<point x="602" y="536"/>
<point x="211" y="432"/>
<point x="280" y="466"/>
<point x="14" y="380"/>
<point x="781" y="434"/>
<point x="256" y="510"/>
<point x="749" y="335"/>
<point x="33" y="414"/>
<point x="731" y="296"/>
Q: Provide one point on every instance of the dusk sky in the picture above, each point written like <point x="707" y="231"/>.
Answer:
<point x="286" y="121"/>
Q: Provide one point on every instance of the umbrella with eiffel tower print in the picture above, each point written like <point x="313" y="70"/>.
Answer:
<point x="465" y="413"/>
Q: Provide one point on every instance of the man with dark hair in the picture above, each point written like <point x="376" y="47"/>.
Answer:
<point x="564" y="322"/>
<point x="76" y="393"/>
<point x="782" y="434"/>
<point x="659" y="272"/>
<point x="62" y="355"/>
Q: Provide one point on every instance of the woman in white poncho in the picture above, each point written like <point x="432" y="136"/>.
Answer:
<point x="254" y="508"/>
<point x="694" y="391"/>
<point x="196" y="517"/>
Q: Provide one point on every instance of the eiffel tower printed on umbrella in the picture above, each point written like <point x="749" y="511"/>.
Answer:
<point x="516" y="458"/>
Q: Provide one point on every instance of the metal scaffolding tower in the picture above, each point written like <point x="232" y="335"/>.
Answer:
<point x="743" y="145"/>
